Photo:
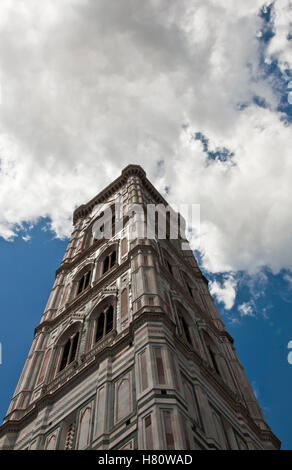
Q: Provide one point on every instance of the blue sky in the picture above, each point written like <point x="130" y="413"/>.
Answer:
<point x="196" y="92"/>
<point x="260" y="340"/>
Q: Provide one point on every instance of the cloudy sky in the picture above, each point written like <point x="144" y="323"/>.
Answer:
<point x="196" y="91"/>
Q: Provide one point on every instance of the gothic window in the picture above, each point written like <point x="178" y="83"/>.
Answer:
<point x="186" y="330"/>
<point x="187" y="283"/>
<point x="69" y="351"/>
<point x="213" y="359"/>
<point x="169" y="267"/>
<point x="109" y="261"/>
<point x="94" y="232"/>
<point x="89" y="238"/>
<point x="212" y="352"/>
<point x="100" y="327"/>
<point x="83" y="282"/>
<point x="168" y="262"/>
<point x="104" y="323"/>
<point x="109" y="319"/>
<point x="184" y="324"/>
<point x="107" y="221"/>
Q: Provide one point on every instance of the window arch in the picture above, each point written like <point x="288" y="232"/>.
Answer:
<point x="82" y="280"/>
<point x="168" y="261"/>
<point x="67" y="348"/>
<point x="187" y="283"/>
<point x="104" y="225"/>
<point x="186" y="330"/>
<point x="102" y="321"/>
<point x="69" y="351"/>
<point x="184" y="323"/>
<point x="89" y="238"/>
<point x="212" y="351"/>
<point x="107" y="260"/>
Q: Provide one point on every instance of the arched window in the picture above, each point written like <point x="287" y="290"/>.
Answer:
<point x="186" y="331"/>
<point x="109" y="319"/>
<point x="213" y="359"/>
<point x="109" y="261"/>
<point x="91" y="235"/>
<point x="168" y="261"/>
<point x="83" y="282"/>
<point x="184" y="323"/>
<point x="169" y="267"/>
<point x="99" y="327"/>
<point x="104" y="322"/>
<point x="69" y="351"/>
<point x="187" y="283"/>
<point x="212" y="352"/>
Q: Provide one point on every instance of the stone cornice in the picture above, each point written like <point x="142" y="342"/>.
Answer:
<point x="130" y="170"/>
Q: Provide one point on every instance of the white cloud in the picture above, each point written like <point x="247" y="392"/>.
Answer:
<point x="288" y="279"/>
<point x="246" y="309"/>
<point x="225" y="292"/>
<point x="279" y="46"/>
<point x="88" y="87"/>
<point x="26" y="238"/>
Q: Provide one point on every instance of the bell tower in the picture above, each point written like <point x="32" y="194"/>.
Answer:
<point x="131" y="352"/>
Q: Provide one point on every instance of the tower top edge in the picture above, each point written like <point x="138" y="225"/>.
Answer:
<point x="129" y="170"/>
